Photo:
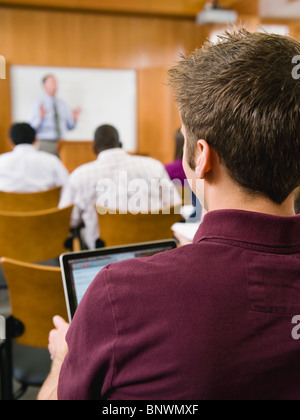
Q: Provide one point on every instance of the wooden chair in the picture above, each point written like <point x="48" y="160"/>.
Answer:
<point x="34" y="236"/>
<point x="76" y="153"/>
<point x="36" y="295"/>
<point x="122" y="229"/>
<point x="30" y="201"/>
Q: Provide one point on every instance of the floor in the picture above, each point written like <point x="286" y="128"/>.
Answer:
<point x="31" y="393"/>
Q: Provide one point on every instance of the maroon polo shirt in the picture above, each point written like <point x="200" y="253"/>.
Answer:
<point x="212" y="320"/>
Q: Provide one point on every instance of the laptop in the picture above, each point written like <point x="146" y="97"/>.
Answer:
<point x="80" y="268"/>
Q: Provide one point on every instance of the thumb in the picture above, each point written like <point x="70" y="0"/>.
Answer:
<point x="58" y="321"/>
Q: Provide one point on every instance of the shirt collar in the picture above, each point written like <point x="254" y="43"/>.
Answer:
<point x="250" y="227"/>
<point x="111" y="152"/>
<point x="24" y="148"/>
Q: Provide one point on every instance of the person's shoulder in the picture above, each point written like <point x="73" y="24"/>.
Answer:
<point x="86" y="168"/>
<point x="148" y="161"/>
<point x="47" y="157"/>
<point x="174" y="164"/>
<point x="88" y="171"/>
<point x="158" y="266"/>
<point x="5" y="155"/>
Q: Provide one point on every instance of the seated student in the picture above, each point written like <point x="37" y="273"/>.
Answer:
<point x="26" y="169"/>
<point x="113" y="166"/>
<point x="215" y="319"/>
<point x="177" y="175"/>
<point x="175" y="169"/>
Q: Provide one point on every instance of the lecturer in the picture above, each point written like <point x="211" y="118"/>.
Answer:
<point x="51" y="117"/>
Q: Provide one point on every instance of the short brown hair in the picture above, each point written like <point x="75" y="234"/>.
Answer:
<point x="239" y="95"/>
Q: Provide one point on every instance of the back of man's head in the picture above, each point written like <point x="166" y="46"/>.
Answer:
<point x="241" y="97"/>
<point x="106" y="137"/>
<point x="22" y="133"/>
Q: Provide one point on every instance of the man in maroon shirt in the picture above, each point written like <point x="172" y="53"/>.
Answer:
<point x="216" y="319"/>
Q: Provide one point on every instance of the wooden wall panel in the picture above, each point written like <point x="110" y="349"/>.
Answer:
<point x="158" y="121"/>
<point x="158" y="7"/>
<point x="92" y="40"/>
<point x="76" y="153"/>
<point x="5" y="112"/>
<point x="178" y="8"/>
<point x="243" y="7"/>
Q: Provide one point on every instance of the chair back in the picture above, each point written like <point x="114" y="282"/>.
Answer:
<point x="36" y="295"/>
<point x="29" y="201"/>
<point x="122" y="229"/>
<point x="34" y="236"/>
<point x="76" y="153"/>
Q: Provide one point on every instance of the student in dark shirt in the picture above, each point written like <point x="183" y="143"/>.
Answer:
<point x="175" y="169"/>
<point x="215" y="319"/>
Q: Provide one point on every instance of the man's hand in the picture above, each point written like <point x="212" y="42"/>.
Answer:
<point x="43" y="112"/>
<point x="58" y="350"/>
<point x="76" y="114"/>
<point x="182" y="239"/>
<point x="57" y="339"/>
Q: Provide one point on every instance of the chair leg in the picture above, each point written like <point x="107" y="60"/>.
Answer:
<point x="6" y="369"/>
<point x="21" y="391"/>
<point x="14" y="328"/>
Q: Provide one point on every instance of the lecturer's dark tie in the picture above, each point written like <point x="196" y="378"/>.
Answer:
<point x="56" y="121"/>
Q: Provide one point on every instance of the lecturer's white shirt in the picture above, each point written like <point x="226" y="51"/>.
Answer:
<point x="26" y="169"/>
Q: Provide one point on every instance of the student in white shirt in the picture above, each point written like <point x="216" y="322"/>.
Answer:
<point x="26" y="169"/>
<point x="129" y="176"/>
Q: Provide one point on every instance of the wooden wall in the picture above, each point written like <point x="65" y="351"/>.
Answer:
<point x="96" y="40"/>
<point x="149" y="44"/>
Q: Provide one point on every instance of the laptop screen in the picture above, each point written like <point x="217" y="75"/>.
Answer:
<point x="80" y="269"/>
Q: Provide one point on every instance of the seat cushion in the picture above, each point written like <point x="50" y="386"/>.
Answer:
<point x="31" y="365"/>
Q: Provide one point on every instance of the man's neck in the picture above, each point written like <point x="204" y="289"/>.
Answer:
<point x="236" y="199"/>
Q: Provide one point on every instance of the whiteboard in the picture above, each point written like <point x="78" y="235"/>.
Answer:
<point x="104" y="96"/>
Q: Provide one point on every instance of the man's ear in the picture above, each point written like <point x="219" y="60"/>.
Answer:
<point x="203" y="159"/>
<point x="12" y="144"/>
<point x="35" y="142"/>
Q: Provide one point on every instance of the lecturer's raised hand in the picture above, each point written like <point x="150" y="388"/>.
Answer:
<point x="43" y="112"/>
<point x="76" y="114"/>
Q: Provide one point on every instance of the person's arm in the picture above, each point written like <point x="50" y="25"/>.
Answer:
<point x="76" y="114"/>
<point x="61" y="174"/>
<point x="88" y="370"/>
<point x="70" y="196"/>
<point x="37" y="115"/>
<point x="71" y="117"/>
<point x="58" y="350"/>
<point x="182" y="239"/>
